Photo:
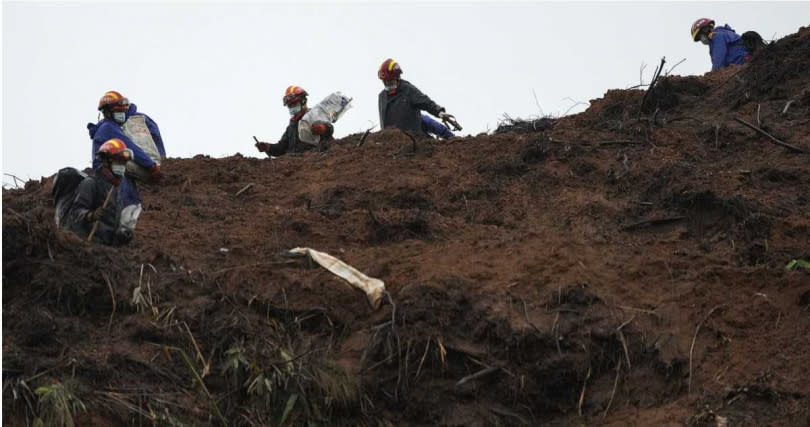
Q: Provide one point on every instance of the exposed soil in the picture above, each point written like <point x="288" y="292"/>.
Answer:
<point x="614" y="267"/>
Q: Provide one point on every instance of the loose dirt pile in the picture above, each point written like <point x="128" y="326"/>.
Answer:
<point x="612" y="267"/>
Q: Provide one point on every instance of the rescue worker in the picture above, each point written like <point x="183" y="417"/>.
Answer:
<point x="99" y="198"/>
<point x="138" y="131"/>
<point x="434" y="128"/>
<point x="726" y="47"/>
<point x="401" y="103"/>
<point x="295" y="99"/>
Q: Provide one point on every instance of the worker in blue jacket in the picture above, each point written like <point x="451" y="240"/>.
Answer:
<point x="138" y="131"/>
<point x="726" y="47"/>
<point x="432" y="127"/>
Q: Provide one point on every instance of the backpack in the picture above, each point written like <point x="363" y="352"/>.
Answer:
<point x="65" y="183"/>
<point x="752" y="41"/>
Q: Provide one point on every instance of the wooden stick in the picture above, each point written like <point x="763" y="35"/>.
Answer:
<point x="658" y="221"/>
<point x="652" y="84"/>
<point x="771" y="137"/>
<point x="615" y="383"/>
<point x="95" y="224"/>
<point x="507" y="413"/>
<point x="258" y="264"/>
<point x="18" y="215"/>
<point x="526" y="315"/>
<point x="419" y="368"/>
<point x="624" y="342"/>
<point x="478" y="374"/>
<point x="245" y="188"/>
<point x="112" y="295"/>
<point x="619" y="142"/>
<point x="692" y="348"/>
<point x="582" y="394"/>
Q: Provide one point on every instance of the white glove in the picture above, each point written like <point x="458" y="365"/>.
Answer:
<point x="444" y="116"/>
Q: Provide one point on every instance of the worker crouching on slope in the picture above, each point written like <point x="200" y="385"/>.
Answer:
<point x="295" y="99"/>
<point x="401" y="103"/>
<point x="98" y="206"/>
<point x="726" y="47"/>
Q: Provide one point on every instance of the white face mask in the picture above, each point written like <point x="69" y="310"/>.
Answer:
<point x="120" y="117"/>
<point x="119" y="170"/>
<point x="390" y="86"/>
<point x="295" y="110"/>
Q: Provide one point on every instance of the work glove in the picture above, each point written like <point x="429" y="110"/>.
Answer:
<point x="322" y="129"/>
<point x="156" y="174"/>
<point x="263" y="146"/>
<point x="97" y="214"/>
<point x="449" y="118"/>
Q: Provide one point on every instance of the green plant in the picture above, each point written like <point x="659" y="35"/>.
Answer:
<point x="57" y="405"/>
<point x="235" y="362"/>
<point x="797" y="263"/>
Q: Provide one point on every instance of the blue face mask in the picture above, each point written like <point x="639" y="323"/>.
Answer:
<point x="120" y="117"/>
<point x="295" y="110"/>
<point x="119" y="170"/>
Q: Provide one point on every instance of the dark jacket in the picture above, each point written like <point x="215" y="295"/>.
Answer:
<point x="726" y="47"/>
<point x="90" y="195"/>
<point x="289" y="142"/>
<point x="402" y="108"/>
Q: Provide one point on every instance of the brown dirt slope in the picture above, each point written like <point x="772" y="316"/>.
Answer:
<point x="623" y="266"/>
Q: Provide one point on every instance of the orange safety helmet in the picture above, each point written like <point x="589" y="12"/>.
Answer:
<point x="699" y="25"/>
<point x="389" y="70"/>
<point x="112" y="98"/>
<point x="114" y="149"/>
<point x="293" y="95"/>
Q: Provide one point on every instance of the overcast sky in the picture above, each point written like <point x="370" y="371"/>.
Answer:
<point x="212" y="74"/>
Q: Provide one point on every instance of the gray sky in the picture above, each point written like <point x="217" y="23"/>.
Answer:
<point x="213" y="74"/>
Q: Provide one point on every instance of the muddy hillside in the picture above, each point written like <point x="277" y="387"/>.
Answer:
<point x="623" y="266"/>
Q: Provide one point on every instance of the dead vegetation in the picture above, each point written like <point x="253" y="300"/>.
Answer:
<point x="604" y="267"/>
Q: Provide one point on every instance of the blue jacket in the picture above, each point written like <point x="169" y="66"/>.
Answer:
<point x="105" y="130"/>
<point x="433" y="127"/>
<point x="726" y="48"/>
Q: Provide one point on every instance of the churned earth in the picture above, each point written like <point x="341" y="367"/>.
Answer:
<point x="622" y="266"/>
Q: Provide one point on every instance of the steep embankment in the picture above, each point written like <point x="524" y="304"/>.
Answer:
<point x="625" y="264"/>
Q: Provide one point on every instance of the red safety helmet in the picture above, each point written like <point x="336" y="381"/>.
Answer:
<point x="112" y="99"/>
<point x="293" y="95"/>
<point x="389" y="70"/>
<point x="699" y="25"/>
<point x="114" y="149"/>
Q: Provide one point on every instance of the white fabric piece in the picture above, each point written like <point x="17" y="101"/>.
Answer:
<point x="329" y="110"/>
<point x="129" y="217"/>
<point x="373" y="288"/>
<point x="135" y="128"/>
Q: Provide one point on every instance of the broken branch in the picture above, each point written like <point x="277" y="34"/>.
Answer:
<point x="692" y="348"/>
<point x="245" y="188"/>
<point x="650" y="222"/>
<point x="615" y="383"/>
<point x="478" y="374"/>
<point x="582" y="394"/>
<point x="112" y="295"/>
<point x="771" y="137"/>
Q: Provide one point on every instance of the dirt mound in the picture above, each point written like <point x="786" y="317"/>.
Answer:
<point x="616" y="266"/>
